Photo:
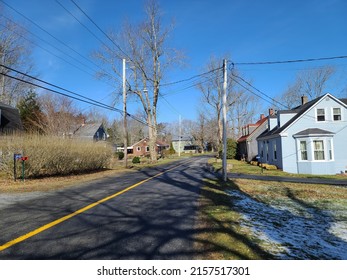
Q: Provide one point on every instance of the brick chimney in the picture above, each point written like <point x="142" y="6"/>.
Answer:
<point x="304" y="99"/>
<point x="271" y="112"/>
<point x="262" y="116"/>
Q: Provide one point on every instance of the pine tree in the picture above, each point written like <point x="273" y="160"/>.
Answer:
<point x="30" y="113"/>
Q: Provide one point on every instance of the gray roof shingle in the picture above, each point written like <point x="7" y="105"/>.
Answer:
<point x="10" y="118"/>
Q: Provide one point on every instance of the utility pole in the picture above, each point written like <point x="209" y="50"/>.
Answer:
<point x="179" y="135"/>
<point x="224" y="120"/>
<point x="125" y="129"/>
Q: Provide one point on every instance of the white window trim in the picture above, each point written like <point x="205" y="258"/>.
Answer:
<point x="274" y="150"/>
<point x="138" y="149"/>
<point x="310" y="149"/>
<point x="325" y="115"/>
<point x="324" y="150"/>
<point x="332" y="149"/>
<point x="299" y="150"/>
<point x="332" y="114"/>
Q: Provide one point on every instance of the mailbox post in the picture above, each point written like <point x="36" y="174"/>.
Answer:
<point x="15" y="158"/>
<point x="23" y="159"/>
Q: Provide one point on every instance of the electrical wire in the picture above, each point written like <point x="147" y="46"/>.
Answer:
<point x="58" y="40"/>
<point x="191" y="78"/>
<point x="99" y="28"/>
<point x="291" y="61"/>
<point x="264" y="94"/>
<point x="79" y="98"/>
<point x="45" y="31"/>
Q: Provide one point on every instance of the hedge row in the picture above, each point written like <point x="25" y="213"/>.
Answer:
<point x="49" y="156"/>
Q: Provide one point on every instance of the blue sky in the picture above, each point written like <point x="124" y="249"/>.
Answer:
<point x="246" y="31"/>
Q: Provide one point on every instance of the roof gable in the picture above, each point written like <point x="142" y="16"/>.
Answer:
<point x="9" y="118"/>
<point x="259" y="125"/>
<point x="313" y="132"/>
<point x="88" y="130"/>
<point x="300" y="111"/>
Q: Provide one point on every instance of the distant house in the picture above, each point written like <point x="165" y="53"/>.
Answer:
<point x="91" y="131"/>
<point x="247" y="145"/>
<point x="179" y="143"/>
<point x="141" y="148"/>
<point x="9" y="119"/>
<point x="308" y="139"/>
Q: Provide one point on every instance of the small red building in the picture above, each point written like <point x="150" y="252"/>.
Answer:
<point x="141" y="148"/>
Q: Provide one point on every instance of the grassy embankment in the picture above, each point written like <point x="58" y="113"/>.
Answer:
<point x="245" y="168"/>
<point x="221" y="221"/>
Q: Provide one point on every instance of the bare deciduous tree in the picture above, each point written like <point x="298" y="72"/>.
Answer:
<point x="61" y="118"/>
<point x="243" y="111"/>
<point x="144" y="47"/>
<point x="212" y="91"/>
<point x="311" y="83"/>
<point x="14" y="53"/>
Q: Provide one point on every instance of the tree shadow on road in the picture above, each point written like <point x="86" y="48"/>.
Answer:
<point x="167" y="217"/>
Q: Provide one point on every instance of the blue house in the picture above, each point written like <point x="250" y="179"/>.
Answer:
<point x="308" y="139"/>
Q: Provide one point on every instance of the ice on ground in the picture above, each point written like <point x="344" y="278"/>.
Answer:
<point x="292" y="229"/>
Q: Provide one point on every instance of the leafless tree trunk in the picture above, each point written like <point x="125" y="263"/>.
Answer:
<point x="148" y="58"/>
<point x="61" y="118"/>
<point x="212" y="90"/>
<point x="14" y="53"/>
<point x="311" y="83"/>
<point x="244" y="111"/>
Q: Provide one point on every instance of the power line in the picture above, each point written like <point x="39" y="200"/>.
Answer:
<point x="79" y="98"/>
<point x="99" y="28"/>
<point x="290" y="61"/>
<point x="253" y="92"/>
<point x="44" y="30"/>
<point x="48" y="51"/>
<point x="249" y="84"/>
<point x="191" y="78"/>
<point x="58" y="40"/>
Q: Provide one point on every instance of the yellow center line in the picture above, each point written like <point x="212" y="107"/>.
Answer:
<point x="79" y="211"/>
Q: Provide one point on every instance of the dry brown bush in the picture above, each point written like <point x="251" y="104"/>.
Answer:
<point x="49" y="156"/>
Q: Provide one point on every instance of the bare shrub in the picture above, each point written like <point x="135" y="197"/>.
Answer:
<point x="50" y="156"/>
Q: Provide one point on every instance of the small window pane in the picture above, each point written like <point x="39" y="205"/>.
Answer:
<point x="330" y="150"/>
<point x="337" y="114"/>
<point x="318" y="150"/>
<point x="275" y="151"/>
<point x="320" y="115"/>
<point x="303" y="150"/>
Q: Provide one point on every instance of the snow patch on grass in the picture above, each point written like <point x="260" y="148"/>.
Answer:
<point x="291" y="228"/>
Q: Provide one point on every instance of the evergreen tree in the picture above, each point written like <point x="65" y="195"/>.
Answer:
<point x="30" y="113"/>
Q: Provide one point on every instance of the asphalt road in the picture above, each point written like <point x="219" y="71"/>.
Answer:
<point x="153" y="219"/>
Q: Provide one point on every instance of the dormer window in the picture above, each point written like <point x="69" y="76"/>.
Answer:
<point x="320" y="115"/>
<point x="337" y="114"/>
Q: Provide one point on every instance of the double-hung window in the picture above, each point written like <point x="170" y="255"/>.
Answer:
<point x="330" y="149"/>
<point x="303" y="150"/>
<point x="337" y="114"/>
<point x="275" y="150"/>
<point x="318" y="146"/>
<point x="320" y="115"/>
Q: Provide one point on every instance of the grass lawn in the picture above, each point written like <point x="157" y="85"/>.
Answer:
<point x="248" y="219"/>
<point x="246" y="168"/>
